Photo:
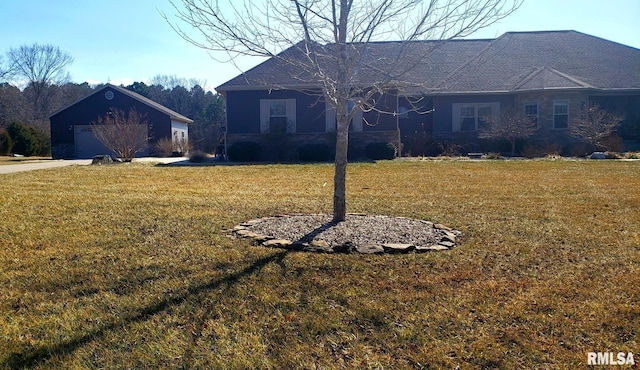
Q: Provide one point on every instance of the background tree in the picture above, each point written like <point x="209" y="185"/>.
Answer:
<point x="594" y="124"/>
<point x="172" y="81"/>
<point x="6" y="143"/>
<point x="40" y="66"/>
<point x="70" y="93"/>
<point x="206" y="109"/>
<point x="125" y="133"/>
<point x="208" y="116"/>
<point x="28" y="140"/>
<point x="4" y="70"/>
<point x="12" y="105"/>
<point x="327" y="42"/>
<point x="509" y="125"/>
<point x="139" y="88"/>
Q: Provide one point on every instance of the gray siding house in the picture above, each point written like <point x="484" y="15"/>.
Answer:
<point x="549" y="76"/>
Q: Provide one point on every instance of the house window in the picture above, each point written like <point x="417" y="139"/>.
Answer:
<point x="560" y="114"/>
<point x="484" y="114"/>
<point x="277" y="115"/>
<point x="468" y="117"/>
<point x="531" y="111"/>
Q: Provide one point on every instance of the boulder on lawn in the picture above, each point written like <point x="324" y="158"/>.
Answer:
<point x="102" y="159"/>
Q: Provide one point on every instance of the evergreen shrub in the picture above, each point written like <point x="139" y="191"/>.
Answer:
<point x="244" y="151"/>
<point x="378" y="151"/>
<point x="6" y="144"/>
<point x="313" y="153"/>
<point x="28" y="140"/>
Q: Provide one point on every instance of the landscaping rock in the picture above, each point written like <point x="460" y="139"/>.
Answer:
<point x="447" y="244"/>
<point x="431" y="248"/>
<point x="318" y="246"/>
<point x="250" y="223"/>
<point x="449" y="236"/>
<point x="370" y="249"/>
<point x="361" y="233"/>
<point x="397" y="247"/>
<point x="277" y="243"/>
<point x="442" y="227"/>
<point x="247" y="233"/>
<point x="102" y="159"/>
<point x="347" y="247"/>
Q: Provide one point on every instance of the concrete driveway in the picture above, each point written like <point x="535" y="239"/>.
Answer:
<point x="39" y="165"/>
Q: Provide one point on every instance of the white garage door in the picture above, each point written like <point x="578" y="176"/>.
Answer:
<point x="87" y="145"/>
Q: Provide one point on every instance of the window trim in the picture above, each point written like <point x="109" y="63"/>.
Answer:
<point x="457" y="114"/>
<point x="265" y="114"/>
<point x="535" y="117"/>
<point x="558" y="103"/>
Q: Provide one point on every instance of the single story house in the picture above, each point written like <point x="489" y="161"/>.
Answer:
<point x="445" y="88"/>
<point x="71" y="127"/>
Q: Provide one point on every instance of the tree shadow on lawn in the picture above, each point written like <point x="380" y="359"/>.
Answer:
<point x="32" y="356"/>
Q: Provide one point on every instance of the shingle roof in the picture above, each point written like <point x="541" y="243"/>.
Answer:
<point x="172" y="114"/>
<point x="515" y="61"/>
<point x="548" y="60"/>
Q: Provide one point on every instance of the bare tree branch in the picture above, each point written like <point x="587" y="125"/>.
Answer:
<point x="124" y="133"/>
<point x="39" y="66"/>
<point x="594" y="124"/>
<point x="509" y="125"/>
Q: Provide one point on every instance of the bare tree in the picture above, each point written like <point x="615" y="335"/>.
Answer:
<point x="594" y="124"/>
<point x="4" y="69"/>
<point x="510" y="125"/>
<point x="171" y="81"/>
<point x="124" y="133"/>
<point x="12" y="107"/>
<point x="39" y="67"/>
<point x="327" y="42"/>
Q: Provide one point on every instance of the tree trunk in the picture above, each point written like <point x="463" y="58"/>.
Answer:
<point x="343" y="117"/>
<point x="340" y="175"/>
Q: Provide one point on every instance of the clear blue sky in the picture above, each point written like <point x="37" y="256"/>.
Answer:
<point x="127" y="40"/>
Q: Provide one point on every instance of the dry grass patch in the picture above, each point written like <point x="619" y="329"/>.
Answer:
<point x="16" y="160"/>
<point x="128" y="267"/>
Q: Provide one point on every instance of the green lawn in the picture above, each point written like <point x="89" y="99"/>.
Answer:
<point x="128" y="267"/>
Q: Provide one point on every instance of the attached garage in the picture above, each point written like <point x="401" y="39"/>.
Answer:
<point x="72" y="134"/>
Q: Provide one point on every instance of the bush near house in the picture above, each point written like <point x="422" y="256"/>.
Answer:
<point x="244" y="151"/>
<point x="418" y="144"/>
<point x="378" y="151"/>
<point x="314" y="153"/>
<point x="164" y="147"/>
<point x="198" y="157"/>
